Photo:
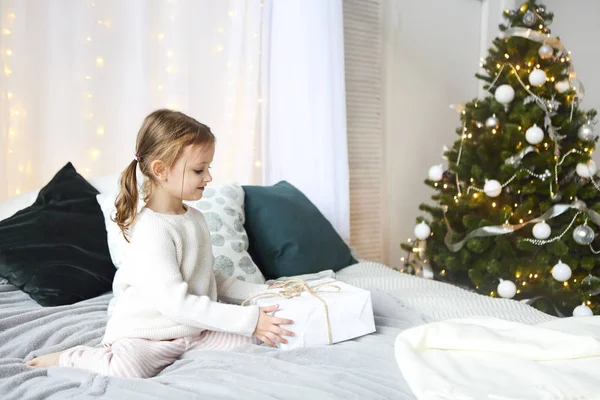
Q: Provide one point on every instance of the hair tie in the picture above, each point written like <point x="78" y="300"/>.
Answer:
<point x="136" y="157"/>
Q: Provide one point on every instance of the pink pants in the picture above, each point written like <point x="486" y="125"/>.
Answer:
<point x="142" y="358"/>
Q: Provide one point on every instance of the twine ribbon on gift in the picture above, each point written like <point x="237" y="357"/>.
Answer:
<point x="294" y="287"/>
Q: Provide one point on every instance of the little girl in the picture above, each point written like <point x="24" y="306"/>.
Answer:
<point x="166" y="290"/>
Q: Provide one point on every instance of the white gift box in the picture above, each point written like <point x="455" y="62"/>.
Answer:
<point x="349" y="309"/>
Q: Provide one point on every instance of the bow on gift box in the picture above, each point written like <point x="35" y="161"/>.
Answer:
<point x="294" y="288"/>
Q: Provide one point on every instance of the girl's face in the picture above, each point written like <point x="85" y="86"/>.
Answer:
<point x="187" y="178"/>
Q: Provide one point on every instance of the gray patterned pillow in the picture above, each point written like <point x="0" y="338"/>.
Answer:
<point x="223" y="209"/>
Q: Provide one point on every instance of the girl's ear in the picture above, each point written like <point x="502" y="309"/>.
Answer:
<point x="158" y="170"/>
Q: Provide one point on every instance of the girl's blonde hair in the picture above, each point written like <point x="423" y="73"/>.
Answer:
<point x="163" y="136"/>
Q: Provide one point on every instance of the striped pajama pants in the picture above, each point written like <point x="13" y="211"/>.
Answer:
<point x="142" y="358"/>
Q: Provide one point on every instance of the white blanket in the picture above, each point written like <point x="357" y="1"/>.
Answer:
<point x="489" y="358"/>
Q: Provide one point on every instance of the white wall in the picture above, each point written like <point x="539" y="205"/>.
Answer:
<point x="432" y="50"/>
<point x="577" y="25"/>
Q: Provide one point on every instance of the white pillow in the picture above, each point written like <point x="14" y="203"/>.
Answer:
<point x="223" y="209"/>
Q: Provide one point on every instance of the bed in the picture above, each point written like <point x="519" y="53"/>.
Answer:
<point x="363" y="368"/>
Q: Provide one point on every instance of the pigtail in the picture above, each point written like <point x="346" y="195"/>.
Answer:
<point x="127" y="199"/>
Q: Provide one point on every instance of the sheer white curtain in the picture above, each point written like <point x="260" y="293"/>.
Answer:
<point x="304" y="127"/>
<point x="79" y="76"/>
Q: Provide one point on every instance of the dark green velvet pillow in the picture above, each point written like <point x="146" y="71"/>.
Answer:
<point x="56" y="250"/>
<point x="288" y="235"/>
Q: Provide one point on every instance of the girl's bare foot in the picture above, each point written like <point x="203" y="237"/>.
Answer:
<point x="45" y="361"/>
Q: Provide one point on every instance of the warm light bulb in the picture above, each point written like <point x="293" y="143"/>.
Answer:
<point x="257" y="164"/>
<point x="94" y="154"/>
<point x="219" y="48"/>
<point x="520" y="221"/>
<point x="160" y="36"/>
<point x="99" y="61"/>
<point x="5" y="31"/>
<point x="11" y="132"/>
<point x="494" y="204"/>
<point x="89" y="38"/>
<point x="445" y="186"/>
<point x="159" y="87"/>
<point x="87" y="77"/>
<point x="231" y="13"/>
<point x="518" y="275"/>
<point x="170" y="53"/>
<point x="7" y="71"/>
<point x="8" y="52"/>
<point x="506" y="56"/>
<point x="9" y="95"/>
<point x="100" y="130"/>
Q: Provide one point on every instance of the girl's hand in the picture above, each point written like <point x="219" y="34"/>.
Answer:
<point x="267" y="328"/>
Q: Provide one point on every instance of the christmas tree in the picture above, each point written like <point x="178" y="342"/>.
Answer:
<point x="518" y="206"/>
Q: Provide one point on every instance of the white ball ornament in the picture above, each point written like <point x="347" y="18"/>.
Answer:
<point x="561" y="272"/>
<point x="586" y="170"/>
<point x="541" y="230"/>
<point x="537" y="77"/>
<point x="534" y="135"/>
<point x="436" y="172"/>
<point x="582" y="311"/>
<point x="422" y="231"/>
<point x="492" y="188"/>
<point x="504" y="94"/>
<point x="507" y="289"/>
<point x="562" y="86"/>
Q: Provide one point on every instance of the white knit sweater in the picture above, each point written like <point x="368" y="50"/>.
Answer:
<point x="166" y="287"/>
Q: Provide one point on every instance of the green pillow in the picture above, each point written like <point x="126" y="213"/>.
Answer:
<point x="288" y="235"/>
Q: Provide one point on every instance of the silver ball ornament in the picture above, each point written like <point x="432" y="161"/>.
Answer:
<point x="529" y="18"/>
<point x="556" y="197"/>
<point x="545" y="51"/>
<point x="561" y="272"/>
<point x="586" y="132"/>
<point x="492" y="122"/>
<point x="583" y="235"/>
<point x="579" y="204"/>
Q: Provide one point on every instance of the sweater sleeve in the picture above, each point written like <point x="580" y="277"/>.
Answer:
<point x="154" y="246"/>
<point x="233" y="290"/>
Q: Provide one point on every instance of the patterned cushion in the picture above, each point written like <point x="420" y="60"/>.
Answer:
<point x="223" y="209"/>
